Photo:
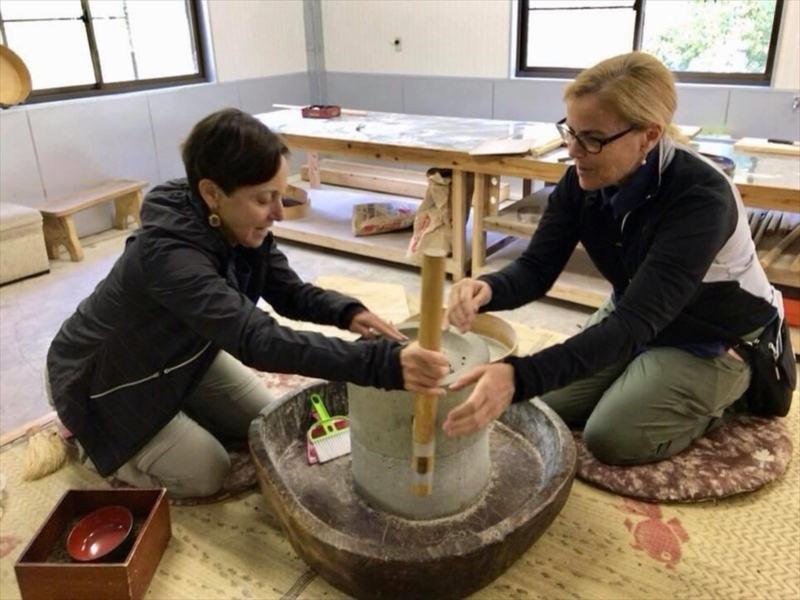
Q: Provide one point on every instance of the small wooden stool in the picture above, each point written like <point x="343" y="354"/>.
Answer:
<point x="59" y="228"/>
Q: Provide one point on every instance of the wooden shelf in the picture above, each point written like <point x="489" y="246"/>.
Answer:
<point x="328" y="224"/>
<point x="579" y="282"/>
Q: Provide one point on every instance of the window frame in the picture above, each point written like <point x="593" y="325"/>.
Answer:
<point x="753" y="79"/>
<point x="101" y="88"/>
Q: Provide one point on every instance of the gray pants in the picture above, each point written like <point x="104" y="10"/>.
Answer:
<point x="186" y="456"/>
<point x="652" y="407"/>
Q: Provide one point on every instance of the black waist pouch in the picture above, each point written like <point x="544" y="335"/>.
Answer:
<point x="774" y="372"/>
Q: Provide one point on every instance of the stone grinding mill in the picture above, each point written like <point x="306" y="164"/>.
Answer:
<point x="363" y="522"/>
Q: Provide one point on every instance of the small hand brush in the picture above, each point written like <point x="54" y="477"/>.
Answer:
<point x="330" y="436"/>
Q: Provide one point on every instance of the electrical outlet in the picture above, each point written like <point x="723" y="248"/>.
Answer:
<point x="397" y="43"/>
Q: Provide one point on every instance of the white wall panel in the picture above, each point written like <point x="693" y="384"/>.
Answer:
<point x="257" y="38"/>
<point x="786" y="74"/>
<point x="438" y="37"/>
<point x="19" y="172"/>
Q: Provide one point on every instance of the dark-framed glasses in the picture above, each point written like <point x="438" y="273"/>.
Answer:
<point x="590" y="143"/>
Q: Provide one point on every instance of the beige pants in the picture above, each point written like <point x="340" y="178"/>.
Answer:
<point x="186" y="456"/>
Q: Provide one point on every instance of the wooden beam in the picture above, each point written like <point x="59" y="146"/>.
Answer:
<point x="30" y="427"/>
<point x="389" y="180"/>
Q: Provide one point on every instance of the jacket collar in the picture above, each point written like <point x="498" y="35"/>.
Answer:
<point x="643" y="184"/>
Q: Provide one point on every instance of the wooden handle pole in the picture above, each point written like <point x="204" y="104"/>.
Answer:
<point x="430" y="337"/>
<point x="775" y="252"/>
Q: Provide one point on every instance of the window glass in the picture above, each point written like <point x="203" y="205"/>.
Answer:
<point x="717" y="37"/>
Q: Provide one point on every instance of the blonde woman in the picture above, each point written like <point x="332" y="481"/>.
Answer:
<point x="645" y="377"/>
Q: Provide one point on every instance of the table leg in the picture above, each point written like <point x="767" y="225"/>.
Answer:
<point x="458" y="213"/>
<point x="313" y="169"/>
<point x="480" y="196"/>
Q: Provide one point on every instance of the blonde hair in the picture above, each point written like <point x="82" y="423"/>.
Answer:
<point x="636" y="85"/>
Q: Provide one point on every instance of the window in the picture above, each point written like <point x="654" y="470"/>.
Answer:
<point x="87" y="47"/>
<point x="711" y="41"/>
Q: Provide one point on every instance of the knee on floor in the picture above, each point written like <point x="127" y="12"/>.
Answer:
<point x="612" y="446"/>
<point x="206" y="473"/>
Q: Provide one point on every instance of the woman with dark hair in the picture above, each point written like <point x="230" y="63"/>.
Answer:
<point x="652" y="370"/>
<point x="153" y="369"/>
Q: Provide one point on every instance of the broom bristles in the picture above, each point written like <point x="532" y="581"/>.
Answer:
<point x="46" y="453"/>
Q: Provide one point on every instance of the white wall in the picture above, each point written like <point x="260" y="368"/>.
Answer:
<point x="257" y="38"/>
<point x="787" y="64"/>
<point x="463" y="38"/>
<point x="439" y="37"/>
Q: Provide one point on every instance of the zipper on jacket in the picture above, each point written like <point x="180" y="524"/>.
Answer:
<point x="155" y="375"/>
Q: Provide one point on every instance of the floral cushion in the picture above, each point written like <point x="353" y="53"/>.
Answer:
<point x="739" y="456"/>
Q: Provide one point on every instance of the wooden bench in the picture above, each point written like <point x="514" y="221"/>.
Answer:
<point x="59" y="228"/>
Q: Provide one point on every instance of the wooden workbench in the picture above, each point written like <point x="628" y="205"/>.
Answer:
<point x="764" y="181"/>
<point x="442" y="142"/>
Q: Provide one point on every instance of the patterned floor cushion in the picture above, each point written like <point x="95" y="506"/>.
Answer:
<point x="740" y="456"/>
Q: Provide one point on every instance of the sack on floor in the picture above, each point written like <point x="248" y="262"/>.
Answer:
<point x="774" y="372"/>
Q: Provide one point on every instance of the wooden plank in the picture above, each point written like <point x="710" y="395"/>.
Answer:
<point x="772" y="198"/>
<point x="579" y="283"/>
<point x="401" y="182"/>
<point x="71" y="203"/>
<point x="577" y="295"/>
<point x="760" y="145"/>
<point x="480" y="199"/>
<point x="30" y="427"/>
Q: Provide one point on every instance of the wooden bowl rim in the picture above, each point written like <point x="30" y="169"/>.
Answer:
<point x="14" y="65"/>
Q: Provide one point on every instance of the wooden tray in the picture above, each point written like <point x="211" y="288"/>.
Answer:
<point x="43" y="574"/>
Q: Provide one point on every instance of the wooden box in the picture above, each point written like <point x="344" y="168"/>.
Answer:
<point x="44" y="570"/>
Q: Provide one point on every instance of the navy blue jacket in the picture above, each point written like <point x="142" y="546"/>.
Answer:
<point x="122" y="364"/>
<point x="675" y="245"/>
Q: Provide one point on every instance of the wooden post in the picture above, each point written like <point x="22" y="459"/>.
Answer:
<point x="313" y="169"/>
<point x="127" y="206"/>
<point x="480" y="193"/>
<point x="775" y="252"/>
<point x="430" y="337"/>
<point x="459" y="203"/>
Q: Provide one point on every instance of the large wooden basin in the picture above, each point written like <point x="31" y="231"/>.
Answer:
<point x="372" y="554"/>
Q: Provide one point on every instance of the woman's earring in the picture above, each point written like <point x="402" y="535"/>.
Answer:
<point x="644" y="161"/>
<point x="214" y="220"/>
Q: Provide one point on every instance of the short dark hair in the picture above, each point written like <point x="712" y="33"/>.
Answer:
<point x="232" y="149"/>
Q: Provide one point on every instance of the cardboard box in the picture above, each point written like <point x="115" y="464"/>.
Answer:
<point x="45" y="571"/>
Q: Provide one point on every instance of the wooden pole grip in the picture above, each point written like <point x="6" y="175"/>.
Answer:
<point x="430" y="337"/>
<point x="775" y="252"/>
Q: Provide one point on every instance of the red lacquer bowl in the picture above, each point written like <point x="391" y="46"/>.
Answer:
<point x="100" y="533"/>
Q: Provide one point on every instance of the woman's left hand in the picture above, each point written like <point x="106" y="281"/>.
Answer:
<point x="369" y="325"/>
<point x="491" y="396"/>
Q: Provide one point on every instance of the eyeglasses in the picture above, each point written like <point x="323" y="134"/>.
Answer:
<point x="590" y="143"/>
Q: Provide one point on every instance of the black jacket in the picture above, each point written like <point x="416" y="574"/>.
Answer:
<point x="674" y="243"/>
<point x="121" y="366"/>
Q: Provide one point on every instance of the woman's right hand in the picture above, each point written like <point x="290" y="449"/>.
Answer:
<point x="466" y="298"/>
<point x="423" y="370"/>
